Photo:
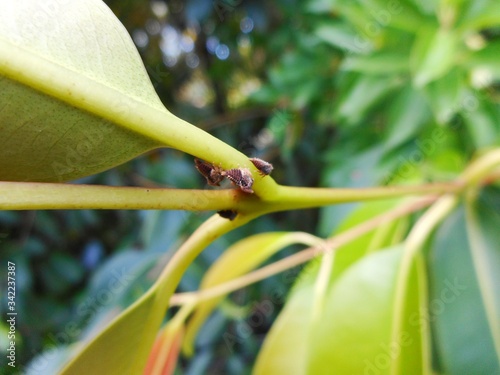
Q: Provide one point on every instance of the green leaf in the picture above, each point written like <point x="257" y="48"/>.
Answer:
<point x="374" y="16"/>
<point x="480" y="15"/>
<point x="285" y="348"/>
<point x="433" y="55"/>
<point x="46" y="139"/>
<point x="377" y="63"/>
<point x="445" y="95"/>
<point x="237" y="260"/>
<point x="482" y="228"/>
<point x="75" y="98"/>
<point x="121" y="346"/>
<point x="407" y="115"/>
<point x="461" y="329"/>
<point x="481" y="119"/>
<point x="364" y="93"/>
<point x="343" y="37"/>
<point x="484" y="61"/>
<point x="385" y="235"/>
<point x="354" y="334"/>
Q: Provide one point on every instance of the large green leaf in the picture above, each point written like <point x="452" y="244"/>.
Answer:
<point x="480" y="15"/>
<point x="355" y="333"/>
<point x="287" y="346"/>
<point x="285" y="350"/>
<point x="46" y="139"/>
<point x="377" y="63"/>
<point x="74" y="96"/>
<point x="463" y="299"/>
<point x="385" y="235"/>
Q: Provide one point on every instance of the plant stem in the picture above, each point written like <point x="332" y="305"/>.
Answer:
<point x="32" y="195"/>
<point x="36" y="196"/>
<point x="289" y="197"/>
<point x="303" y="256"/>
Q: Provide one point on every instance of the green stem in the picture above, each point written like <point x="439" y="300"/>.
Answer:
<point x="37" y="196"/>
<point x="301" y="257"/>
<point x="289" y="197"/>
<point x="31" y="196"/>
<point x="413" y="245"/>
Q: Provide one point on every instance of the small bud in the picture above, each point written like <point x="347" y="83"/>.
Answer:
<point x="212" y="173"/>
<point x="264" y="167"/>
<point x="241" y="177"/>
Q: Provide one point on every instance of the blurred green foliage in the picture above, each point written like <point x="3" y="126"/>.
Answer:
<point x="333" y="93"/>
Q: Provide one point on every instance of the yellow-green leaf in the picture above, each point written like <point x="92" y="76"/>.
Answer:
<point x="433" y="55"/>
<point x="75" y="98"/>
<point x="287" y="347"/>
<point x="237" y="260"/>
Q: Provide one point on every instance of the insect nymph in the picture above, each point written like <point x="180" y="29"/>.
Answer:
<point x="212" y="173"/>
<point x="241" y="177"/>
<point x="263" y="166"/>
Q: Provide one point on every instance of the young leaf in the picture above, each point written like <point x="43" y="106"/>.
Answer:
<point x="239" y="259"/>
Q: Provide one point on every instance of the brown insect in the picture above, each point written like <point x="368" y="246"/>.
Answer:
<point x="228" y="214"/>
<point x="264" y="167"/>
<point x="212" y="173"/>
<point x="241" y="177"/>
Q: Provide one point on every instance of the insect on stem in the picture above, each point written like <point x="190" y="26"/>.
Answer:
<point x="263" y="166"/>
<point x="241" y="177"/>
<point x="212" y="174"/>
